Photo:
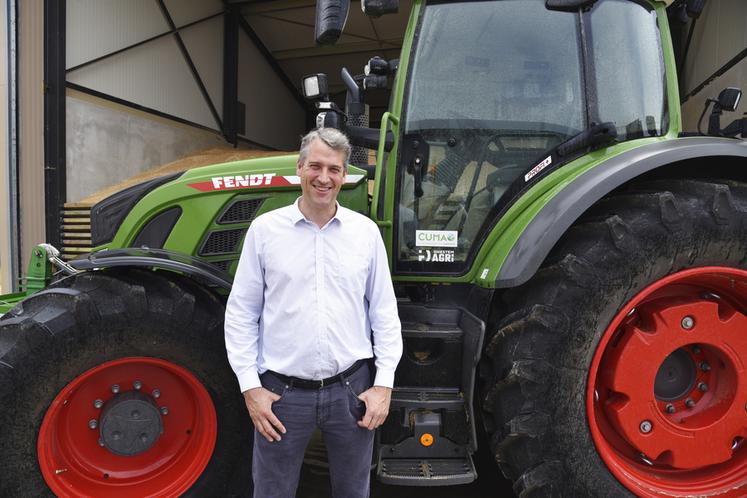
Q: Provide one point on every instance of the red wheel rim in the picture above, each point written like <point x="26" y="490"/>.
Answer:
<point x="73" y="462"/>
<point x="667" y="395"/>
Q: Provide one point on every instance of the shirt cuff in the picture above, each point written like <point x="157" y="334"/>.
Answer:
<point x="384" y="378"/>
<point x="249" y="380"/>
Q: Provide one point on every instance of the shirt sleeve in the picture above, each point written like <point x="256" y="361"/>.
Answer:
<point x="383" y="316"/>
<point x="243" y="311"/>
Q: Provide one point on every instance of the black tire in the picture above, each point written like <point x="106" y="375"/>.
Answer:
<point x="536" y="364"/>
<point x="87" y="319"/>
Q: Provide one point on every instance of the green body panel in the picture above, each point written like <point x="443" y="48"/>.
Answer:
<point x="201" y="209"/>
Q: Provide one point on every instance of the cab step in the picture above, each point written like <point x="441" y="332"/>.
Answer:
<point x="427" y="472"/>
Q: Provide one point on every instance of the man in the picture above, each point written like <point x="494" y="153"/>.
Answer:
<point x="312" y="303"/>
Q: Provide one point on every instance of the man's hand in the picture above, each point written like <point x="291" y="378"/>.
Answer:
<point x="377" y="401"/>
<point x="259" y="403"/>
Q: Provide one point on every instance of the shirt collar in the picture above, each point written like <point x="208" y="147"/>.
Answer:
<point x="297" y="215"/>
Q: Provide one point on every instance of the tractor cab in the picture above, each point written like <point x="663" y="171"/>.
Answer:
<point x="491" y="98"/>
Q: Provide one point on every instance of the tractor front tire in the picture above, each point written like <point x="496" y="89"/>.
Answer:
<point x="619" y="368"/>
<point x="116" y="383"/>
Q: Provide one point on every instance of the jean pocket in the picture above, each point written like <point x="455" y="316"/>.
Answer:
<point x="274" y="385"/>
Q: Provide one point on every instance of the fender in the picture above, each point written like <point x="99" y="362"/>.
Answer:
<point x="553" y="220"/>
<point x="155" y="258"/>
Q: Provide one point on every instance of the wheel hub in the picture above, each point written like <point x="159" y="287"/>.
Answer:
<point x="675" y="377"/>
<point x="130" y="423"/>
<point x="668" y="392"/>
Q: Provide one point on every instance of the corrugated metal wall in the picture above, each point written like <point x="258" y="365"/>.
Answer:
<point x="31" y="123"/>
<point x="720" y="34"/>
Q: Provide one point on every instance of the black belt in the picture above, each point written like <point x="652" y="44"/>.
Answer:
<point x="317" y="384"/>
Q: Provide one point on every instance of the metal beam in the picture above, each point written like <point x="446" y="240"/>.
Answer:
<point x="252" y="8"/>
<point x="231" y="74"/>
<point x="55" y="177"/>
<point x="192" y="68"/>
<point x="340" y="49"/>
<point x="12" y="241"/>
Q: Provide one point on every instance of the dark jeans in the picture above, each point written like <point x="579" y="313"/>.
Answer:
<point x="335" y="410"/>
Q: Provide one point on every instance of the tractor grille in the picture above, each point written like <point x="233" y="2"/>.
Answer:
<point x="223" y="265"/>
<point x="222" y="242"/>
<point x="240" y="211"/>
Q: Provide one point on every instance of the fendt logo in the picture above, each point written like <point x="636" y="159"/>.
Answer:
<point x="241" y="181"/>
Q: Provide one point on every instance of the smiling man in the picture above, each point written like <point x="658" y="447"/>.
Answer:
<point x="312" y="330"/>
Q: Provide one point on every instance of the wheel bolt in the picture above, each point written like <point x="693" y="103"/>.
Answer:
<point x="688" y="323"/>
<point x="696" y="349"/>
<point x="116" y="435"/>
<point x="670" y="408"/>
<point x="137" y="385"/>
<point x="98" y="404"/>
<point x="101" y="442"/>
<point x="703" y="386"/>
<point x="156" y="393"/>
<point x="164" y="410"/>
<point x="115" y="388"/>
<point x="92" y="424"/>
<point x="689" y="403"/>
<point x="646" y="426"/>
<point x="705" y="366"/>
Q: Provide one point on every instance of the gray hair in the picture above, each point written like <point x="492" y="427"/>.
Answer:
<point x="334" y="138"/>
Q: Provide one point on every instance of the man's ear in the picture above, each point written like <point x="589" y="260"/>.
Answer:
<point x="299" y="167"/>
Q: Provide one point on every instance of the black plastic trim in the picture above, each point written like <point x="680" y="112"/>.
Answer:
<point x="155" y="258"/>
<point x="158" y="229"/>
<point x="108" y="214"/>
<point x="564" y="209"/>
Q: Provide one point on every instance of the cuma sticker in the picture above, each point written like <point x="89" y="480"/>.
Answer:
<point x="436" y="238"/>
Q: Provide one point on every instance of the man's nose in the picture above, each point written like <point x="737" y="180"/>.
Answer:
<point x="323" y="175"/>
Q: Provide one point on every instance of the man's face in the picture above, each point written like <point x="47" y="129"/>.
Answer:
<point x="322" y="175"/>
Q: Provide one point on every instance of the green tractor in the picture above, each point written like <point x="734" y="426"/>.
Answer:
<point x="571" y="271"/>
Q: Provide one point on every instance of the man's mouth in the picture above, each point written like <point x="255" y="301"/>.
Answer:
<point x="321" y="189"/>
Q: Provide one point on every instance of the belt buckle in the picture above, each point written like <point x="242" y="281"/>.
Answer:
<point x="321" y="383"/>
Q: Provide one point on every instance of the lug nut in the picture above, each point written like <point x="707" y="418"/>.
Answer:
<point x="164" y="410"/>
<point x="92" y="424"/>
<point x="101" y="442"/>
<point x="156" y="393"/>
<point x="689" y="403"/>
<point x="696" y="349"/>
<point x="646" y="426"/>
<point x="688" y="323"/>
<point x="116" y="435"/>
<point x="670" y="408"/>
<point x="115" y="388"/>
<point x="703" y="386"/>
<point x="705" y="366"/>
<point x="137" y="385"/>
<point x="98" y="404"/>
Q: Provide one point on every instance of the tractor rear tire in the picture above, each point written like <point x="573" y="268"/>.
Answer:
<point x="108" y="342"/>
<point x="627" y="341"/>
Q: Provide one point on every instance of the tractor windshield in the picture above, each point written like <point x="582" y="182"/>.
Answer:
<point x="494" y="87"/>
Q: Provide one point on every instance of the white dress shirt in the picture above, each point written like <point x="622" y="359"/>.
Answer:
<point x="306" y="301"/>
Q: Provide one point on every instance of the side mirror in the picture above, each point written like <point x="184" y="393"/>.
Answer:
<point x="315" y="86"/>
<point x="728" y="99"/>
<point x="377" y="8"/>
<point x="331" y="16"/>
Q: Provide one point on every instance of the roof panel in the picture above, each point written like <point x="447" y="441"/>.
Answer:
<point x="187" y="11"/>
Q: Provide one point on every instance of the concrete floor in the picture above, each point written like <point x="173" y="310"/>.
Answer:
<point x="490" y="484"/>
